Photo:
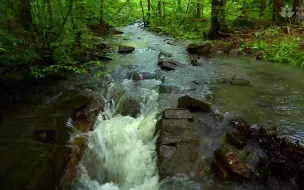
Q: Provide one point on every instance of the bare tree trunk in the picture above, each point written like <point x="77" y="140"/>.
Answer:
<point x="298" y="7"/>
<point x="164" y="9"/>
<point x="24" y="12"/>
<point x="179" y="4"/>
<point x="198" y="9"/>
<point x="215" y="21"/>
<point x="262" y="7"/>
<point x="101" y="20"/>
<point x="143" y="11"/>
<point x="50" y="12"/>
<point x="159" y="8"/>
<point x="276" y="9"/>
<point x="149" y="5"/>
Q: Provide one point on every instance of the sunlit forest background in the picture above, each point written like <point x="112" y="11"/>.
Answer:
<point x="43" y="36"/>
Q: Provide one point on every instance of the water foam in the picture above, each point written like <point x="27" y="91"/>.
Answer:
<point x="121" y="151"/>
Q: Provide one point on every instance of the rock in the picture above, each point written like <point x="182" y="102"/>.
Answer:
<point x="232" y="163"/>
<point x="125" y="49"/>
<point x="54" y="129"/>
<point x="236" y="139"/>
<point x="177" y="114"/>
<point x="163" y="55"/>
<point x="200" y="49"/>
<point x="167" y="89"/>
<point x="220" y="53"/>
<point x="144" y="76"/>
<point x="193" y="60"/>
<point x="191" y="102"/>
<point x="239" y="80"/>
<point x="219" y="171"/>
<point x="33" y="165"/>
<point x="235" y="52"/>
<point x="130" y="107"/>
<point x="180" y="162"/>
<point x="71" y="100"/>
<point x="177" y="131"/>
<point x="166" y="151"/>
<point x="101" y="46"/>
<point x="169" y="64"/>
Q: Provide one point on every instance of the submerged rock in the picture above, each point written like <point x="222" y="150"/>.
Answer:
<point x="169" y="64"/>
<point x="167" y="89"/>
<point x="232" y="163"/>
<point x="163" y="55"/>
<point x="239" y="80"/>
<point x="191" y="102"/>
<point x="129" y="107"/>
<point x="236" y="139"/>
<point x="125" y="49"/>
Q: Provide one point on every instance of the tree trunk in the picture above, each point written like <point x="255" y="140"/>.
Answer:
<point x="164" y="10"/>
<point x="149" y="5"/>
<point x="101" y="21"/>
<point x="198" y="9"/>
<point x="298" y="8"/>
<point x="214" y="31"/>
<point x="276" y="9"/>
<point x="159" y="12"/>
<point x="24" y="13"/>
<point x="179" y="4"/>
<point x="215" y="24"/>
<point x="50" y="12"/>
<point x="262" y="7"/>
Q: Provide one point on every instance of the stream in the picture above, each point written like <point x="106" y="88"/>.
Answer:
<point x="121" y="154"/>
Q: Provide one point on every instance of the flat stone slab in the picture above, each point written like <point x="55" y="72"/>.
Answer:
<point x="166" y="151"/>
<point x="180" y="162"/>
<point x="191" y="102"/>
<point x="188" y="135"/>
<point x="177" y="114"/>
<point x="174" y="126"/>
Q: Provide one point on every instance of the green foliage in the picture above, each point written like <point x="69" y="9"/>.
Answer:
<point x="282" y="51"/>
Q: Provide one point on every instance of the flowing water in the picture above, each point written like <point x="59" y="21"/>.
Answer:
<point x="121" y="149"/>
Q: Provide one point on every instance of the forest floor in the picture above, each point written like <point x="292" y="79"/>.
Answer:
<point x="273" y="44"/>
<point x="262" y="40"/>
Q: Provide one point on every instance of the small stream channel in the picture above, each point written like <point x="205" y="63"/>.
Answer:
<point x="121" y="149"/>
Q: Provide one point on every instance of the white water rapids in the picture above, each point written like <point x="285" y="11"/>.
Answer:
<point x="121" y="150"/>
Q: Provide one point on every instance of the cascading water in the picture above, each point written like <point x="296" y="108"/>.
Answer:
<point x="121" y="149"/>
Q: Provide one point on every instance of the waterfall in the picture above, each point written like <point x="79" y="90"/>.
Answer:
<point x="121" y="149"/>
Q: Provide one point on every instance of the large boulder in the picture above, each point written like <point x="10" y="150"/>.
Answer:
<point x="200" y="49"/>
<point x="191" y="102"/>
<point x="53" y="129"/>
<point x="232" y="163"/>
<point x="71" y="100"/>
<point x="33" y="165"/>
<point x="125" y="49"/>
<point x="169" y="64"/>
